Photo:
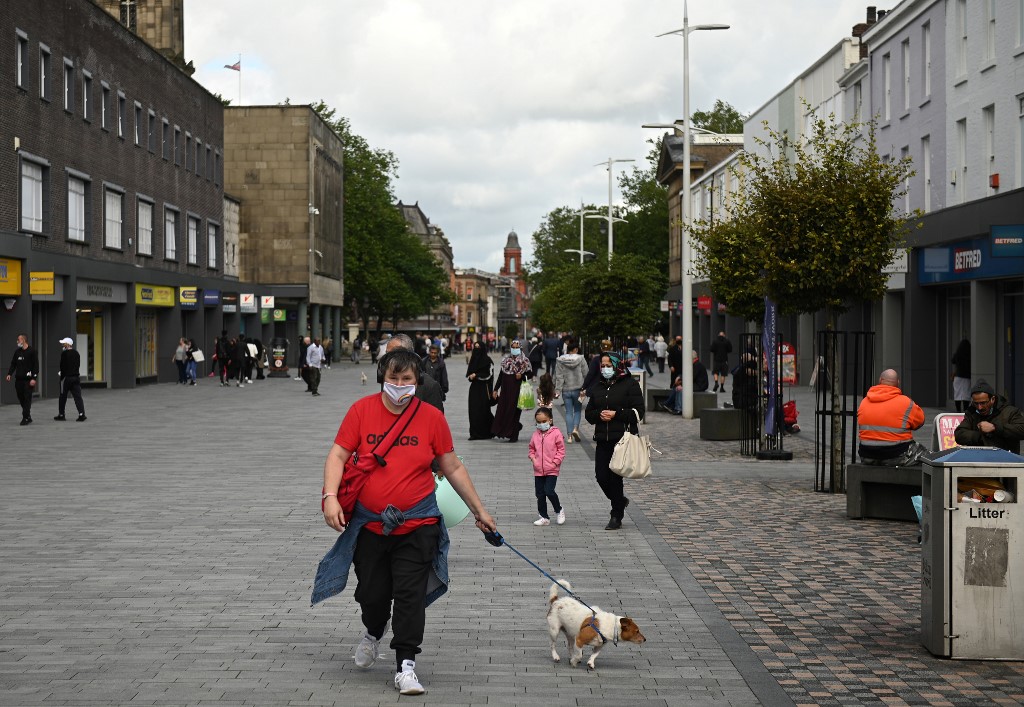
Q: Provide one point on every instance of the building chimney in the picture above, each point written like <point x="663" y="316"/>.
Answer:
<point x="881" y="14"/>
<point x="871" y="15"/>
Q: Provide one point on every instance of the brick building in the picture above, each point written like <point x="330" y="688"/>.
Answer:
<point x="112" y="228"/>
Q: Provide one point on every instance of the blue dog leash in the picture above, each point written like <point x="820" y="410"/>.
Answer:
<point x="497" y="540"/>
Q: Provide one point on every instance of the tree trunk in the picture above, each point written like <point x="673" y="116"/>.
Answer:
<point x="832" y="364"/>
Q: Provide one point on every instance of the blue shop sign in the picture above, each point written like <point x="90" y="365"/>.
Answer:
<point x="211" y="298"/>
<point x="999" y="255"/>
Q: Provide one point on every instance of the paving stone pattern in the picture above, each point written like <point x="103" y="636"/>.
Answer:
<point x="162" y="553"/>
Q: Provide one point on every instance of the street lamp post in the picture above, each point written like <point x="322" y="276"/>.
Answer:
<point x="582" y="213"/>
<point x="611" y="219"/>
<point x="686" y="286"/>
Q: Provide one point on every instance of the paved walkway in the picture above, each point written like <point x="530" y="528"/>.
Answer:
<point x="163" y="551"/>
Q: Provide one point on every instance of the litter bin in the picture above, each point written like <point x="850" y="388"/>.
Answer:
<point x="972" y="563"/>
<point x="278" y="357"/>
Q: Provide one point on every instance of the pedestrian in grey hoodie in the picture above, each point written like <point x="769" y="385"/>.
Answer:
<point x="569" y="373"/>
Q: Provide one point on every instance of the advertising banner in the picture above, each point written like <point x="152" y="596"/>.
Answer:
<point x="188" y="297"/>
<point x="945" y="427"/>
<point x="40" y="283"/>
<point x="154" y="295"/>
<point x="247" y="303"/>
<point x="10" y="276"/>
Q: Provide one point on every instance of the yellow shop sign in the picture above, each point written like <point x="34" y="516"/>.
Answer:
<point x="154" y="295"/>
<point x="10" y="276"/>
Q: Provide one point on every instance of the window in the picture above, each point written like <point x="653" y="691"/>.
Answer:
<point x="990" y="29"/>
<point x="469" y="316"/>
<point x="113" y="217"/>
<point x="69" y="85"/>
<point x="211" y="245"/>
<point x="961" y="33"/>
<point x="33" y="195"/>
<point x="104" y="105"/>
<point x="44" y="72"/>
<point x="209" y="162"/>
<point x="151" y="134"/>
<point x="216" y="167"/>
<point x="988" y="119"/>
<point x="177" y="145"/>
<point x="128" y="15"/>
<point x="122" y="106"/>
<point x="21" y="60"/>
<point x="144" y="235"/>
<point x="961" y="156"/>
<point x="926" y="56"/>
<point x="192" y="244"/>
<point x="77" y="200"/>
<point x="858" y="90"/>
<point x="886" y="87"/>
<point x="469" y="293"/>
<point x="170" y="234"/>
<point x="905" y="50"/>
<point x="1020" y="22"/>
<point x="1020" y="139"/>
<point x="86" y="95"/>
<point x="199" y="157"/>
<point x="188" y="151"/>
<point x="165" y="139"/>
<point x="138" y="123"/>
<point x="926" y="170"/>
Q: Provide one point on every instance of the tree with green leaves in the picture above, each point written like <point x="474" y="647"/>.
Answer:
<point x="723" y="118"/>
<point x="812" y="228"/>
<point x="599" y="299"/>
<point x="390" y="274"/>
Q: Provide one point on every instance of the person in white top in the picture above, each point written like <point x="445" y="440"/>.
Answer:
<point x="314" y="360"/>
<point x="660" y="352"/>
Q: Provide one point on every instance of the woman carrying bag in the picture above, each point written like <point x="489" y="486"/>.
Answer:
<point x="616" y="403"/>
<point x="515" y="368"/>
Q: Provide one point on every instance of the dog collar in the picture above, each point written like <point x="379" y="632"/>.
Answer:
<point x="593" y="625"/>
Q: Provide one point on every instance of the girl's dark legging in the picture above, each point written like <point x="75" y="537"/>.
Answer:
<point x="545" y="489"/>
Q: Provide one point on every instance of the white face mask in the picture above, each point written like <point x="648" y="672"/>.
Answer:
<point x="543" y="426"/>
<point x="399" y="394"/>
<point x="607" y="372"/>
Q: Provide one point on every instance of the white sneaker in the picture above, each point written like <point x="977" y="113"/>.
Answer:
<point x="561" y="517"/>
<point x="367" y="651"/>
<point x="542" y="521"/>
<point x="406" y="681"/>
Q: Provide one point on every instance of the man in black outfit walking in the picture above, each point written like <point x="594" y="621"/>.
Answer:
<point x="70" y="380"/>
<point x="24" y="370"/>
<point x="721" y="347"/>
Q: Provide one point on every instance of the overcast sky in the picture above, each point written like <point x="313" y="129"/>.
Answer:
<point x="498" y="112"/>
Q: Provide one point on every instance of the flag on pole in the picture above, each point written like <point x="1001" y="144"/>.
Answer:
<point x="237" y="66"/>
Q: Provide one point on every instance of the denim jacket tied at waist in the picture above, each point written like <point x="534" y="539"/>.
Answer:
<point x="332" y="573"/>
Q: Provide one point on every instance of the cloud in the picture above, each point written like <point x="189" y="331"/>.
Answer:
<point x="498" y="112"/>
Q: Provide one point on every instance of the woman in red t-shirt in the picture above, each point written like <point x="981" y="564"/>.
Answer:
<point x="392" y="570"/>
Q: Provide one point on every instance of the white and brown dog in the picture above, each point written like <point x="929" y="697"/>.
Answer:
<point x="581" y="627"/>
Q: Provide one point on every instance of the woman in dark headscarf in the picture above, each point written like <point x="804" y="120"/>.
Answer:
<point x="515" y="368"/>
<point x="616" y="404"/>
<point x="480" y="381"/>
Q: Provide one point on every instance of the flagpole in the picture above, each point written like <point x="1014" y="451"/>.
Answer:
<point x="239" y="79"/>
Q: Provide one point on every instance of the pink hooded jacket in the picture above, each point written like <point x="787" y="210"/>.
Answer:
<point x="547" y="450"/>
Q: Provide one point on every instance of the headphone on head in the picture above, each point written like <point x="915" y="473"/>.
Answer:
<point x="384" y="361"/>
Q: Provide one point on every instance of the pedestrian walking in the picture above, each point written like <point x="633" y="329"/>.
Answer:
<point x="545" y="391"/>
<point x="179" y="360"/>
<point x="191" y="366"/>
<point x="552" y="348"/>
<point x="547" y="450"/>
<point x="721" y="347"/>
<point x="314" y="360"/>
<point x="434" y="366"/>
<point x="515" y="368"/>
<point x="221" y="346"/>
<point x="568" y="381"/>
<point x="357" y="350"/>
<point x="24" y="370"/>
<point x="961" y="376"/>
<point x="644" y="355"/>
<point x="616" y="402"/>
<point x="395" y="537"/>
<point x="70" y="373"/>
<point x="480" y="375"/>
<point x="660" y="351"/>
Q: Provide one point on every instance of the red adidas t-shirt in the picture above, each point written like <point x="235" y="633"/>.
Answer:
<point x="407" y="478"/>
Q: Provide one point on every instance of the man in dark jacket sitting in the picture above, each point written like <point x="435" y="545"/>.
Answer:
<point x="990" y="422"/>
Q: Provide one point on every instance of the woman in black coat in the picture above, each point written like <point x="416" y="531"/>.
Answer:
<point x="616" y="403"/>
<point x="480" y="374"/>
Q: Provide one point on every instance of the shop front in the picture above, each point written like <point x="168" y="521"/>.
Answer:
<point x="154" y="327"/>
<point x="94" y="303"/>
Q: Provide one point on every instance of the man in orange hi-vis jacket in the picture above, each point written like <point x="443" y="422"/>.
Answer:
<point x="886" y="420"/>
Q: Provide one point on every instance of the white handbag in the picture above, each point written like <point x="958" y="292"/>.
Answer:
<point x="631" y="458"/>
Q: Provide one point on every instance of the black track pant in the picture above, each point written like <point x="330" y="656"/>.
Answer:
<point x="608" y="480"/>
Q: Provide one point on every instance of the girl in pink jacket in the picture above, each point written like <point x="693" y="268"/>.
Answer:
<point x="547" y="450"/>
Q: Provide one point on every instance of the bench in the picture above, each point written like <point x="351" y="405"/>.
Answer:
<point x="702" y="401"/>
<point x="721" y="423"/>
<point x="882" y="491"/>
<point x="657" y="396"/>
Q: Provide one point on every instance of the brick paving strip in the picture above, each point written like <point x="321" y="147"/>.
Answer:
<point x="163" y="552"/>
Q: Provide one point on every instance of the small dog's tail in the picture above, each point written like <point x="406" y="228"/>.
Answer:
<point x="553" y="592"/>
